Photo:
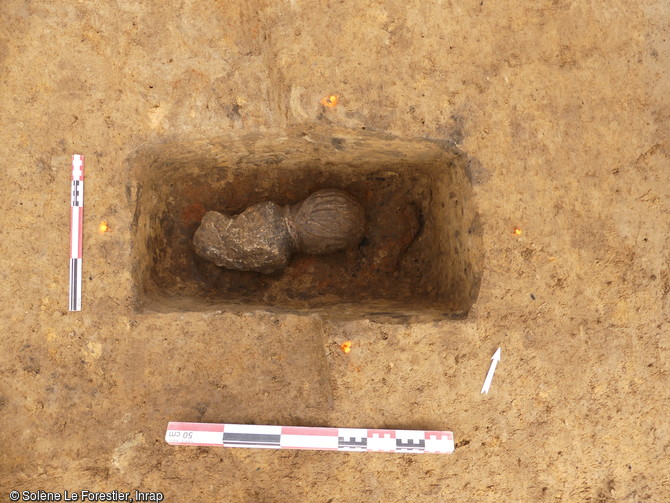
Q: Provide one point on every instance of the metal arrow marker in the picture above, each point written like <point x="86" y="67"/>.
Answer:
<point x="489" y="377"/>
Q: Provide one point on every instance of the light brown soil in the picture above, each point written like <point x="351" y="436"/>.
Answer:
<point x="562" y="107"/>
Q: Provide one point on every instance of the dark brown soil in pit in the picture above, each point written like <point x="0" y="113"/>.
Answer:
<point x="393" y="203"/>
<point x="412" y="258"/>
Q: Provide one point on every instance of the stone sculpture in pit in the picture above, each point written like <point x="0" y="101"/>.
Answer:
<point x="264" y="236"/>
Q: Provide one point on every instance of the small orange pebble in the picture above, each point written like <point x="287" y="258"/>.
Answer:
<point x="330" y="101"/>
<point x="517" y="231"/>
<point x="345" y="346"/>
<point x="103" y="227"/>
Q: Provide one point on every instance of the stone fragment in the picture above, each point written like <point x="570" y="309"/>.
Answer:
<point x="255" y="240"/>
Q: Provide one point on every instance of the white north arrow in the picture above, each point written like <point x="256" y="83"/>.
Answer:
<point x="489" y="377"/>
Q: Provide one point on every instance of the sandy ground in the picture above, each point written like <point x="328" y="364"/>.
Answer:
<point x="562" y="105"/>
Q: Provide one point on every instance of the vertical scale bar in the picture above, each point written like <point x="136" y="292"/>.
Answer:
<point x="76" y="230"/>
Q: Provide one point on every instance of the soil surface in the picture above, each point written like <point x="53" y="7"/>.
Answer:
<point x="564" y="110"/>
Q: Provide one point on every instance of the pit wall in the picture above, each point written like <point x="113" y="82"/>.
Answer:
<point x="421" y="257"/>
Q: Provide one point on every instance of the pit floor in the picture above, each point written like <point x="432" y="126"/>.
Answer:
<point x="564" y="106"/>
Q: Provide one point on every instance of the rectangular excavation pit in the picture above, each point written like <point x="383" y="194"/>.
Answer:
<point x="422" y="251"/>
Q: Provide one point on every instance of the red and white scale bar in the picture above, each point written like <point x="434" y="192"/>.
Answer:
<point x="303" y="437"/>
<point x="76" y="230"/>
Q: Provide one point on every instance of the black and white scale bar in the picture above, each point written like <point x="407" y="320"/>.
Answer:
<point x="75" y="284"/>
<point x="76" y="230"/>
<point x="252" y="439"/>
<point x="307" y="437"/>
